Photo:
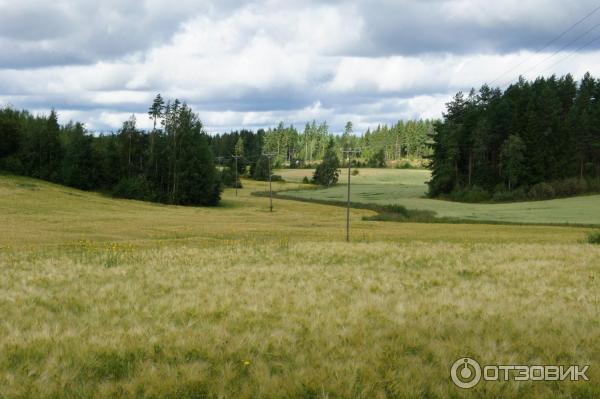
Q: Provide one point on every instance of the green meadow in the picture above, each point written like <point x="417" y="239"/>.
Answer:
<point x="408" y="187"/>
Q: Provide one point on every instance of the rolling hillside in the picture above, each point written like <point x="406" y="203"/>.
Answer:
<point x="111" y="298"/>
<point x="408" y="188"/>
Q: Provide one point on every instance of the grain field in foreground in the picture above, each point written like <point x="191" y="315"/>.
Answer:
<point x="126" y="299"/>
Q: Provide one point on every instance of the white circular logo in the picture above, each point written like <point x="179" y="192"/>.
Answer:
<point x="465" y="373"/>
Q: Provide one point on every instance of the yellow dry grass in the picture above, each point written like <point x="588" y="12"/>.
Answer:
<point x="110" y="298"/>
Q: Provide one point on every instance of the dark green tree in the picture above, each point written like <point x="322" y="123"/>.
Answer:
<point x="377" y="160"/>
<point x="327" y="172"/>
<point x="10" y="129"/>
<point x="512" y="159"/>
<point x="445" y="175"/>
<point x="544" y="131"/>
<point x="261" y="169"/>
<point x="51" y="149"/>
<point x="78" y="167"/>
<point x="155" y="112"/>
<point x="197" y="180"/>
<point x="581" y="119"/>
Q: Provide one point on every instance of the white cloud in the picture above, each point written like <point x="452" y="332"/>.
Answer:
<point x="254" y="49"/>
<point x="255" y="64"/>
<point x="506" y="12"/>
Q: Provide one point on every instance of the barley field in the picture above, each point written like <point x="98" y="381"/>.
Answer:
<point x="408" y="187"/>
<point x="105" y="298"/>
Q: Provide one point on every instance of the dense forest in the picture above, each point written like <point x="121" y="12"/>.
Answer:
<point x="172" y="163"/>
<point x="176" y="162"/>
<point x="307" y="148"/>
<point x="535" y="140"/>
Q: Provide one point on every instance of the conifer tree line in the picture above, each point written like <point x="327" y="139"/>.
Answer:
<point x="307" y="148"/>
<point x="537" y="139"/>
<point x="173" y="163"/>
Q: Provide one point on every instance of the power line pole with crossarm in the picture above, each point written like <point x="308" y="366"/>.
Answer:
<point x="236" y="157"/>
<point x="270" y="155"/>
<point x="349" y="152"/>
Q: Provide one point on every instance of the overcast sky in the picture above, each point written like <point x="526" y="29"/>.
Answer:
<point x="253" y="64"/>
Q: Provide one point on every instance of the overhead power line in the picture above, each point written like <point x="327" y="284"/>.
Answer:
<point x="550" y="43"/>
<point x="562" y="48"/>
<point x="572" y="53"/>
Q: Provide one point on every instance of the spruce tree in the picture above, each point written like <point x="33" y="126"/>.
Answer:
<point x="555" y="120"/>
<point x="78" y="168"/>
<point x="377" y="160"/>
<point x="9" y="132"/>
<point x="260" y="171"/>
<point x="327" y="172"/>
<point x="196" y="180"/>
<point x="199" y="183"/>
<point x="51" y="149"/>
<point x="512" y="159"/>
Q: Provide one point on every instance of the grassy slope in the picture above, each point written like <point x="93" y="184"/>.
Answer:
<point x="105" y="298"/>
<point x="407" y="187"/>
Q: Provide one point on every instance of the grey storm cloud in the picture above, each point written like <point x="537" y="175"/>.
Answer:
<point x="35" y="34"/>
<point x="252" y="63"/>
<point x="420" y="27"/>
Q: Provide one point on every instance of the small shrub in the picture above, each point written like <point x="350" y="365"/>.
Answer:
<point x="276" y="178"/>
<point x="355" y="172"/>
<point x="133" y="188"/>
<point x="594" y="237"/>
<point x="500" y="187"/>
<point x="520" y="194"/>
<point x="399" y="213"/>
<point x="476" y="194"/>
<point x="404" y="165"/>
<point x="397" y="209"/>
<point x="593" y="185"/>
<point x="377" y="160"/>
<point x="569" y="187"/>
<point x="472" y="195"/>
<point x="503" y="196"/>
<point x="228" y="178"/>
<point x="541" y="191"/>
<point x="12" y="164"/>
<point x="456" y="195"/>
<point x="305" y="180"/>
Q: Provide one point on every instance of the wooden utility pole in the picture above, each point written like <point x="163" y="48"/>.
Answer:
<point x="350" y="153"/>
<point x="269" y="156"/>
<point x="236" y="157"/>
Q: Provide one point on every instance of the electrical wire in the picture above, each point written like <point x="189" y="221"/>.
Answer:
<point x="551" y="42"/>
